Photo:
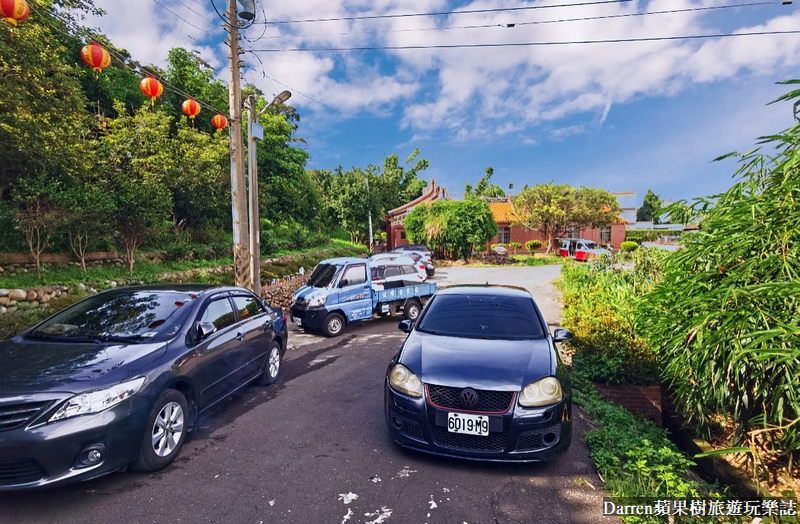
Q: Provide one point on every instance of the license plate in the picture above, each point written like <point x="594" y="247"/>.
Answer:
<point x="298" y="321"/>
<point x="468" y="424"/>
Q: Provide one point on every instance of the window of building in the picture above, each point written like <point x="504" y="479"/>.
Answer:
<point x="605" y="235"/>
<point x="503" y="235"/>
<point x="402" y="235"/>
<point x="573" y="232"/>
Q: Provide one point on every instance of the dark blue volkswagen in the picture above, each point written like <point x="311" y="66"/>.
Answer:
<point x="119" y="378"/>
<point x="479" y="377"/>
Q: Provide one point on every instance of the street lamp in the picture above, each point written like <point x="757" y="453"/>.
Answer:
<point x="255" y="131"/>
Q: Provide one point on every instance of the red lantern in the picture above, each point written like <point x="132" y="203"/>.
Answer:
<point x="219" y="121"/>
<point x="14" y="11"/>
<point x="191" y="107"/>
<point x="95" y="57"/>
<point x="152" y="88"/>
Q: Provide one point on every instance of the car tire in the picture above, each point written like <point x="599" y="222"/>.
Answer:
<point x="334" y="325"/>
<point x="412" y="310"/>
<point x="165" y="432"/>
<point x="273" y="365"/>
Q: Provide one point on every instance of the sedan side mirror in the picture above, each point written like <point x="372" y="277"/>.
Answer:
<point x="562" y="335"/>
<point x="205" y="329"/>
<point x="406" y="326"/>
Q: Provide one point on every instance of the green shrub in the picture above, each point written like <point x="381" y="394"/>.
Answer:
<point x="599" y="305"/>
<point x="533" y="245"/>
<point x="628" y="246"/>
<point x="516" y="246"/>
<point x="725" y="317"/>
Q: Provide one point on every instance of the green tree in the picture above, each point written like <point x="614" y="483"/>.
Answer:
<point x="651" y="207"/>
<point x="87" y="209"/>
<point x="352" y="196"/>
<point x="136" y="159"/>
<point x="484" y="188"/>
<point x="725" y="317"/>
<point x="42" y="109"/>
<point x="37" y="213"/>
<point x="200" y="181"/>
<point x="555" y="209"/>
<point x="455" y="225"/>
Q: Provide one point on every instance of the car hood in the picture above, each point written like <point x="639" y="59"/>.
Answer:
<point x="500" y="365"/>
<point x="308" y="292"/>
<point x="34" y="366"/>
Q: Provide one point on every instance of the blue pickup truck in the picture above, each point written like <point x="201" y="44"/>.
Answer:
<point x="340" y="291"/>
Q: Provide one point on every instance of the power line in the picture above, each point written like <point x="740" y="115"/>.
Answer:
<point x="524" y="44"/>
<point x="446" y="13"/>
<point x="178" y="16"/>
<point x="536" y="22"/>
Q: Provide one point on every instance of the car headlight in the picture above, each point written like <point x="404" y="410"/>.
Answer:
<point x="403" y="380"/>
<point x="317" y="301"/>
<point x="98" y="400"/>
<point x="541" y="393"/>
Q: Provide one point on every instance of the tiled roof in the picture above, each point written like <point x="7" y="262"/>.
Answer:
<point x="501" y="212"/>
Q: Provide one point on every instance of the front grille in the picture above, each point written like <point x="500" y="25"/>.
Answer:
<point x="13" y="416"/>
<point x="21" y="472"/>
<point x="409" y="428"/>
<point x="488" y="401"/>
<point x="493" y="442"/>
<point x="539" y="438"/>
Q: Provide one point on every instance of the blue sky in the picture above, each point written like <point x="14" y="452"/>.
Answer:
<point x="623" y="116"/>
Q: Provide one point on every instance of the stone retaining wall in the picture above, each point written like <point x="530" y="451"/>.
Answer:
<point x="277" y="293"/>
<point x="11" y="263"/>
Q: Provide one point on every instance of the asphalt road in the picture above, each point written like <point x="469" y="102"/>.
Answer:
<point x="314" y="449"/>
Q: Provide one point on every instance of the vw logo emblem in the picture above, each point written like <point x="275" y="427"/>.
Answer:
<point x="469" y="397"/>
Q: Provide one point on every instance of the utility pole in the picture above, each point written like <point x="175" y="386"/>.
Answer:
<point x="241" y="235"/>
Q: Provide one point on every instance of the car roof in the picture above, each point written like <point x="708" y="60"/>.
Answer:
<point x="404" y="261"/>
<point x="485" y="289"/>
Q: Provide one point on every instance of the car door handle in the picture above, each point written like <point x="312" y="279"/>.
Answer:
<point x="240" y="336"/>
<point x="267" y="326"/>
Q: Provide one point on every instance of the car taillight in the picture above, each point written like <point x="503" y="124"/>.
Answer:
<point x="422" y="266"/>
<point x="284" y="319"/>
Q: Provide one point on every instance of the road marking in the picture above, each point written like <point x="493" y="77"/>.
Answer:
<point x="347" y="498"/>
<point x="382" y="515"/>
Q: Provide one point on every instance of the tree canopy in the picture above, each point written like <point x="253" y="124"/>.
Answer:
<point x="456" y="226"/>
<point x="650" y="210"/>
<point x="555" y="209"/>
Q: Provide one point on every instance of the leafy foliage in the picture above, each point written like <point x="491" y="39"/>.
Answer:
<point x="555" y="209"/>
<point x="599" y="305"/>
<point x="629" y="246"/>
<point x="651" y="208"/>
<point x="457" y="226"/>
<point x="725" y="318"/>
<point x="484" y="188"/>
<point x="533" y="245"/>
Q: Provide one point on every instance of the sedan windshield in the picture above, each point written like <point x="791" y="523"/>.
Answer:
<point x="482" y="316"/>
<point x="116" y="316"/>
<point x="323" y="275"/>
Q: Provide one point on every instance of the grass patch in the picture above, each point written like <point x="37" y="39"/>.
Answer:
<point x="147" y="272"/>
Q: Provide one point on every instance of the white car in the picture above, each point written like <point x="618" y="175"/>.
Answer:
<point x="396" y="271"/>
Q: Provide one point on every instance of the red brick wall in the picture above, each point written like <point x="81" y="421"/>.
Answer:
<point x="639" y="400"/>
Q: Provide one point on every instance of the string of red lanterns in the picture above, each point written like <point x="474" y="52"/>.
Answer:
<point x="96" y="57"/>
